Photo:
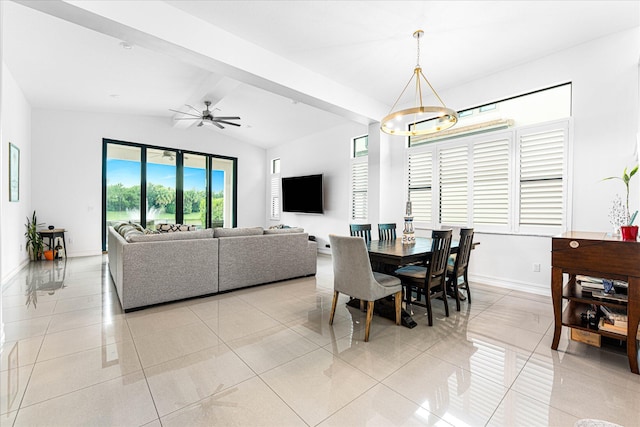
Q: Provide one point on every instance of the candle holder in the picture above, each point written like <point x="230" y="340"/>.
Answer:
<point x="408" y="234"/>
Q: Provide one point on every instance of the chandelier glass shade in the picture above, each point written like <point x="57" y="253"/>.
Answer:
<point x="419" y="120"/>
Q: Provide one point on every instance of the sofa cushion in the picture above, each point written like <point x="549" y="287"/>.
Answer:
<point x="198" y="234"/>
<point x="237" y="232"/>
<point x="284" y="230"/>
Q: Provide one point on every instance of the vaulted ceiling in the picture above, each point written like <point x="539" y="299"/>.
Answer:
<point x="287" y="68"/>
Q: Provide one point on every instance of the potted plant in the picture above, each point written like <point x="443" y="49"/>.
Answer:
<point x="628" y="230"/>
<point x="35" y="244"/>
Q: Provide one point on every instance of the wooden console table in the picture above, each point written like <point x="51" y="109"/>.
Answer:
<point x="597" y="255"/>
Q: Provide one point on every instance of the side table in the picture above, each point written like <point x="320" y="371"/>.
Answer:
<point x="51" y="235"/>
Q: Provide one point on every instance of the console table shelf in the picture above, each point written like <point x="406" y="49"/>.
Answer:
<point x="599" y="255"/>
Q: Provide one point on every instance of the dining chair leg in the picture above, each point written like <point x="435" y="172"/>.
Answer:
<point x="466" y="284"/>
<point x="333" y="306"/>
<point x="456" y="292"/>
<point x="398" y="300"/>
<point x="367" y="327"/>
<point x="446" y="300"/>
<point x="427" y="297"/>
<point x="361" y="305"/>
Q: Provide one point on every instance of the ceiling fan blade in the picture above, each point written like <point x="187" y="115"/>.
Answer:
<point x="187" y="114"/>
<point x="200" y="124"/>
<point x="226" y="123"/>
<point x="218" y="124"/>
<point x="193" y="108"/>
<point x="227" y="118"/>
<point x="189" y="118"/>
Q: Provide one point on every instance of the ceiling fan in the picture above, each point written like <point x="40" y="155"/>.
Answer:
<point x="207" y="117"/>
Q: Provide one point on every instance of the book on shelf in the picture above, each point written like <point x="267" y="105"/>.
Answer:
<point x="597" y="282"/>
<point x="604" y="326"/>
<point x="619" y="298"/>
<point x="614" y="315"/>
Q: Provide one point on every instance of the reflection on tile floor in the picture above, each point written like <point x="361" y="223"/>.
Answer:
<point x="267" y="356"/>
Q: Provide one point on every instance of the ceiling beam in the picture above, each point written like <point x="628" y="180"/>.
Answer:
<point x="160" y="27"/>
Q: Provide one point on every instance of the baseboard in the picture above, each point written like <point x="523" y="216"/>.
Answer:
<point x="510" y="284"/>
<point x="13" y="272"/>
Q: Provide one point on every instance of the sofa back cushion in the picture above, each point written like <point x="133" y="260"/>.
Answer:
<point x="237" y="232"/>
<point x="284" y="230"/>
<point x="198" y="234"/>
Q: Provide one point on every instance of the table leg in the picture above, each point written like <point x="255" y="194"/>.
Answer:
<point x="556" y="295"/>
<point x="633" y="317"/>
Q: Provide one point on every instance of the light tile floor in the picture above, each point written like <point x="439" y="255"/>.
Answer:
<point x="266" y="356"/>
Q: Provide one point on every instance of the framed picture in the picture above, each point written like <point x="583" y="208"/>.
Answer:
<point x="14" y="173"/>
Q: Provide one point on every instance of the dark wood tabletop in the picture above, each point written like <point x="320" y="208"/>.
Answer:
<point x="394" y="253"/>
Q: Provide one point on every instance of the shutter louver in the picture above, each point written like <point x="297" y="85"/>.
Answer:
<point x="491" y="182"/>
<point x="420" y="182"/>
<point x="541" y="185"/>
<point x="453" y="185"/>
<point x="359" y="189"/>
<point x="275" y="197"/>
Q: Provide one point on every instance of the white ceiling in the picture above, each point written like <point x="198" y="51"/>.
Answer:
<point x="362" y="45"/>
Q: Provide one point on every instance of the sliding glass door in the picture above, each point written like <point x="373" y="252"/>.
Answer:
<point x="153" y="185"/>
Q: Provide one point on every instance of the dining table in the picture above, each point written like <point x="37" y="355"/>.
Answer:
<point x="386" y="256"/>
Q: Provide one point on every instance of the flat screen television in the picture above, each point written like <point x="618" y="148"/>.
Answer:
<point x="302" y="194"/>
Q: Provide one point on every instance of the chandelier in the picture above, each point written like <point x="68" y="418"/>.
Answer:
<point x="420" y="120"/>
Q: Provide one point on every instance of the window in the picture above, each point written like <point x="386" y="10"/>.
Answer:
<point x="360" y="178"/>
<point x="359" y="191"/>
<point x="541" y="183"/>
<point x="453" y="173"/>
<point x="511" y="181"/>
<point x="275" y="190"/>
<point x="541" y="106"/>
<point x="420" y="177"/>
<point x="150" y="185"/>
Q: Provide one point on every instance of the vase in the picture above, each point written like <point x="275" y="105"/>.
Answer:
<point x="629" y="232"/>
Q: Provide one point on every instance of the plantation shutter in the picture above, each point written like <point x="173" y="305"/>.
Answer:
<point x="541" y="172"/>
<point x="420" y="167"/>
<point x="275" y="196"/>
<point x="359" y="189"/>
<point x="491" y="182"/>
<point x="453" y="184"/>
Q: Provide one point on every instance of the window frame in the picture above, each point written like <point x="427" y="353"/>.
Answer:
<point x="513" y="135"/>
<point x="357" y="161"/>
<point x="143" y="182"/>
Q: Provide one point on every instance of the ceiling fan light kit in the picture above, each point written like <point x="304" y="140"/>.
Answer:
<point x="419" y="120"/>
<point x="207" y="117"/>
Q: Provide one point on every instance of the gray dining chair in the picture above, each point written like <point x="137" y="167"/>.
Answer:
<point x="352" y="275"/>
<point x="387" y="231"/>
<point x="361" y="230"/>
<point x="430" y="278"/>
<point x="460" y="266"/>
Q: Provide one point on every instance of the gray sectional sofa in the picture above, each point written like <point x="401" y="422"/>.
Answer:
<point x="149" y="269"/>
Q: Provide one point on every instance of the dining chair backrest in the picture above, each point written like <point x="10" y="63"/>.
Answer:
<point x="361" y="230"/>
<point x="387" y="231"/>
<point x="465" y="243"/>
<point x="352" y="274"/>
<point x="437" y="261"/>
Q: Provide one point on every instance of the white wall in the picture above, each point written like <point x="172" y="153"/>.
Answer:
<point x="326" y="153"/>
<point x="16" y="128"/>
<point x="67" y="167"/>
<point x="604" y="74"/>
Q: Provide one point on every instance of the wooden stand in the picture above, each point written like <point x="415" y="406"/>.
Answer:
<point x="597" y="255"/>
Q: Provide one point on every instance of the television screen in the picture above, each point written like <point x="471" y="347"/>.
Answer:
<point x="302" y="194"/>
